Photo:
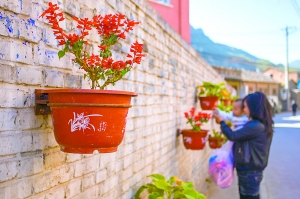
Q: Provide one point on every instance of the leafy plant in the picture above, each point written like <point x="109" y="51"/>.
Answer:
<point x="209" y="89"/>
<point x="224" y="108"/>
<point x="233" y="98"/>
<point x="174" y="188"/>
<point x="100" y="66"/>
<point x="197" y="120"/>
<point x="224" y="94"/>
<point x="221" y="139"/>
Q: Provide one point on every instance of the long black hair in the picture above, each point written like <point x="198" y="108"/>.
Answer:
<point x="260" y="109"/>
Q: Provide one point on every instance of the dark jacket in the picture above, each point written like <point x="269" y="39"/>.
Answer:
<point x="252" y="145"/>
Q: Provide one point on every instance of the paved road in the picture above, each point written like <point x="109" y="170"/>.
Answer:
<point x="282" y="176"/>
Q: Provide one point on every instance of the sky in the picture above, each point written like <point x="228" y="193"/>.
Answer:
<point x="255" y="26"/>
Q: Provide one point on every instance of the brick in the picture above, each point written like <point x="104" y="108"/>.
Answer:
<point x="29" y="31"/>
<point x="53" y="159"/>
<point x="88" y="181"/>
<point x="73" y="188"/>
<point x="127" y="161"/>
<point x="53" y="78"/>
<point x="35" y="140"/>
<point x="8" y="170"/>
<point x="9" y="25"/>
<point x="66" y="173"/>
<point x="7" y="73"/>
<point x="91" y="164"/>
<point x="10" y="143"/>
<point x="89" y="193"/>
<point x="13" y="5"/>
<point x="70" y="157"/>
<point x="73" y="81"/>
<point x="8" y="119"/>
<point x="111" y="169"/>
<point x="17" y="51"/>
<point x="101" y="176"/>
<point x="30" y="166"/>
<point x="127" y="173"/>
<point x="78" y="169"/>
<point x="45" y="56"/>
<point x="110" y="183"/>
<point x="72" y="7"/>
<point x="23" y="77"/>
<point x="106" y="158"/>
<point x="28" y="120"/>
<point x="56" y="193"/>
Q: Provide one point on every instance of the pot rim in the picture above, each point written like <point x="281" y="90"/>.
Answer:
<point x="93" y="91"/>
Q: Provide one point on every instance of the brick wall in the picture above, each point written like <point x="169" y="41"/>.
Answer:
<point x="31" y="163"/>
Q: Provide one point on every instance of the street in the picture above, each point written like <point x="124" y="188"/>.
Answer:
<point x="282" y="175"/>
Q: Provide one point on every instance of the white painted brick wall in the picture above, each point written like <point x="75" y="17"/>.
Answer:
<point x="31" y="163"/>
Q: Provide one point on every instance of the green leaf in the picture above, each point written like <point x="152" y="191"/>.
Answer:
<point x="123" y="72"/>
<point x="61" y="53"/>
<point x="190" y="194"/>
<point x="80" y="43"/>
<point x="139" y="191"/>
<point x="66" y="49"/>
<point x="162" y="184"/>
<point x="187" y="185"/>
<point x="171" y="180"/>
<point x="154" y="195"/>
<point x="84" y="76"/>
<point x="109" y="72"/>
<point x="157" y="177"/>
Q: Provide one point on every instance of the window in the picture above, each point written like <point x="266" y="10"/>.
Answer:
<point x="165" y="1"/>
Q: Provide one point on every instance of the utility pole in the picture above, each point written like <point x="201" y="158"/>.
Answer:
<point x="286" y="68"/>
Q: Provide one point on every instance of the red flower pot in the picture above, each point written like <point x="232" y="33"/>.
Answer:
<point x="208" y="103"/>
<point x="214" y="143"/>
<point x="227" y="102"/>
<point x="86" y="120"/>
<point x="194" y="140"/>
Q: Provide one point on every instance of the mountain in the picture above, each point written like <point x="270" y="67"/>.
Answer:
<point x="221" y="55"/>
<point x="295" y="65"/>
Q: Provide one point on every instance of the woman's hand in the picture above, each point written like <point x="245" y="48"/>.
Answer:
<point x="217" y="116"/>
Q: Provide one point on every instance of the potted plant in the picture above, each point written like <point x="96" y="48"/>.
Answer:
<point x="85" y="120"/>
<point x="225" y="97"/>
<point x="174" y="188"/>
<point x="209" y="94"/>
<point x="195" y="138"/>
<point x="216" y="140"/>
<point x="223" y="107"/>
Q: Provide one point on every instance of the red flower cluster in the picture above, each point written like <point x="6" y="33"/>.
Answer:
<point x="111" y="28"/>
<point x="196" y="120"/>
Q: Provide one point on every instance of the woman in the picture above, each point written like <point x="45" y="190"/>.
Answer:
<point x="252" y="143"/>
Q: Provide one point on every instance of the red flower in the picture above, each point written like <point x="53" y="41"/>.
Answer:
<point x="196" y="121"/>
<point x="186" y="114"/>
<point x="111" y="28"/>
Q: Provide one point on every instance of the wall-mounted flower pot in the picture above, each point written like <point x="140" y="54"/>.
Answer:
<point x="194" y="140"/>
<point x="86" y="120"/>
<point x="215" y="143"/>
<point x="226" y="102"/>
<point x="208" y="103"/>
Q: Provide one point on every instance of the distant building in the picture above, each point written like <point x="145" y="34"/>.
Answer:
<point x="176" y="13"/>
<point x="246" y="82"/>
<point x="278" y="75"/>
<point x="294" y="82"/>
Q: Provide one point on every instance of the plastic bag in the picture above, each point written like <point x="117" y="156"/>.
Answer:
<point x="221" y="165"/>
